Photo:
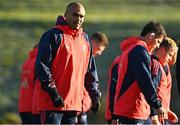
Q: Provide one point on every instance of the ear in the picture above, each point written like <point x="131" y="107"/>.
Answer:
<point x="152" y="35"/>
<point x="65" y="14"/>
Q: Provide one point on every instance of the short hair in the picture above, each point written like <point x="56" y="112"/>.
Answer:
<point x="168" y="43"/>
<point x="100" y="37"/>
<point x="153" y="27"/>
<point x="73" y="4"/>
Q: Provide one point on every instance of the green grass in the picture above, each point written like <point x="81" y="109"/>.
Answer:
<point x="22" y="22"/>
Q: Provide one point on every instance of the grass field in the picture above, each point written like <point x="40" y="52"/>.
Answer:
<point x="23" y="21"/>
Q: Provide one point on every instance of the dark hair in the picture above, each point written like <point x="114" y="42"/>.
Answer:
<point x="100" y="37"/>
<point x="153" y="27"/>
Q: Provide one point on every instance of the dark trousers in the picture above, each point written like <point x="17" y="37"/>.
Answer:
<point x="126" y="120"/>
<point x="36" y="119"/>
<point x="26" y="117"/>
<point x="58" y="117"/>
<point x="148" y="121"/>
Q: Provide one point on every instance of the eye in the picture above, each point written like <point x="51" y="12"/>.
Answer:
<point x="159" y="41"/>
<point x="78" y="15"/>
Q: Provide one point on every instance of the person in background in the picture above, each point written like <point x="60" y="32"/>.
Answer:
<point x="63" y="63"/>
<point x="164" y="57"/>
<point x="27" y="88"/>
<point x="135" y="91"/>
<point x="99" y="42"/>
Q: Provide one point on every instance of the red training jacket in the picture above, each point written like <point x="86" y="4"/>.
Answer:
<point x="27" y="83"/>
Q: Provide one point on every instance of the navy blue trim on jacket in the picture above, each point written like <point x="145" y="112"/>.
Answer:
<point x="47" y="49"/>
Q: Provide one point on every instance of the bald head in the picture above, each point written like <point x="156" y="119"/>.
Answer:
<point x="73" y="5"/>
<point x="74" y="15"/>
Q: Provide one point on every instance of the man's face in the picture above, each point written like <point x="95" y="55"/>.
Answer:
<point x="166" y="56"/>
<point x="154" y="43"/>
<point x="98" y="48"/>
<point x="75" y="17"/>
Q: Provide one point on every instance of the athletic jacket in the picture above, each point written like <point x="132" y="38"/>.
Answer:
<point x="135" y="89"/>
<point x="112" y="82"/>
<point x="64" y="56"/>
<point x="86" y="102"/>
<point x="27" y="83"/>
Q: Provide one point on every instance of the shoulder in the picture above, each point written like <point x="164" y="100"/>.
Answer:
<point x="139" y="48"/>
<point x="52" y="31"/>
<point x="139" y="51"/>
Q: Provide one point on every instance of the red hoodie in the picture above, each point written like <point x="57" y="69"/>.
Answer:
<point x="27" y="83"/>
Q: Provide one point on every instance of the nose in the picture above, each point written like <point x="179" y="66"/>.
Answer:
<point x="158" y="45"/>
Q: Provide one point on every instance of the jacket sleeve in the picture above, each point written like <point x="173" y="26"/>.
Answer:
<point x="112" y="87"/>
<point x="92" y="82"/>
<point x="47" y="48"/>
<point x="140" y="61"/>
<point x="156" y="71"/>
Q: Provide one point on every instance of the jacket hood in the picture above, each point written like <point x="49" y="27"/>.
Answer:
<point x="61" y="24"/>
<point x="131" y="41"/>
<point x="33" y="53"/>
<point x="60" y="20"/>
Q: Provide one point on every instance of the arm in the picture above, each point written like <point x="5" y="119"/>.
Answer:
<point x="46" y="52"/>
<point x="157" y="78"/>
<point x="92" y="84"/>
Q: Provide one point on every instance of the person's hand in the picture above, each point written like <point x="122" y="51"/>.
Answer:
<point x="155" y="120"/>
<point x="162" y="113"/>
<point x="172" y="117"/>
<point x="57" y="101"/>
<point x="96" y="107"/>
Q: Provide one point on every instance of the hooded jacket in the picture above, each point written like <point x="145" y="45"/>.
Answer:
<point x="135" y="89"/>
<point x="65" y="56"/>
<point x="27" y="82"/>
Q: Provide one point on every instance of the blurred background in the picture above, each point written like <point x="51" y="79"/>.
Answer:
<point x="22" y="22"/>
